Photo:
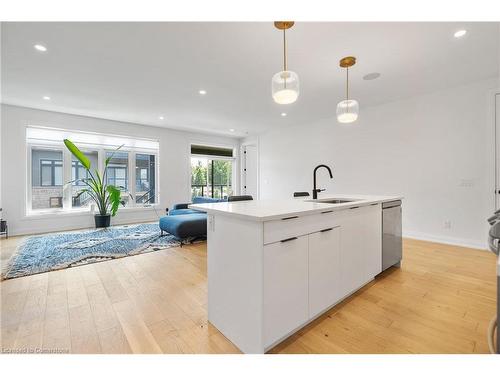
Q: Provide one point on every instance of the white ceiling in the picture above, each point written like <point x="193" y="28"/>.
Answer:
<point x="136" y="72"/>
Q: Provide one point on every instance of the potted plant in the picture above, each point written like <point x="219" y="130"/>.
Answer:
<point x="106" y="197"/>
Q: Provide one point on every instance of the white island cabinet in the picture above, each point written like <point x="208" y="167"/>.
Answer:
<point x="274" y="266"/>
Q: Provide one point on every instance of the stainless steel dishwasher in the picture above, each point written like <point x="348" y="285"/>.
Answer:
<point x="392" y="242"/>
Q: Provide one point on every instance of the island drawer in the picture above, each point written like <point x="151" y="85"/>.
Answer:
<point x="293" y="226"/>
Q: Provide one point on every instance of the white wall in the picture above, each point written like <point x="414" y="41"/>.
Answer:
<point x="435" y="149"/>
<point x="1" y="98"/>
<point x="174" y="164"/>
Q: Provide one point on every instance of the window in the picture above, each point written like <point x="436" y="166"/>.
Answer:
<point x="57" y="177"/>
<point x="199" y="174"/>
<point x="145" y="180"/>
<point x="78" y="173"/>
<point x="219" y="177"/>
<point x="51" y="172"/>
<point x="211" y="171"/>
<point x="46" y="178"/>
<point x="118" y="172"/>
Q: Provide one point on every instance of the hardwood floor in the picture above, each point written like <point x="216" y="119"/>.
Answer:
<point x="440" y="301"/>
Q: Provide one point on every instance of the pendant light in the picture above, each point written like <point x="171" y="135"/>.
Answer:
<point x="348" y="109"/>
<point x="285" y="84"/>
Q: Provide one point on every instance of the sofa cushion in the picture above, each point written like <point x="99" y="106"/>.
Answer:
<point x="207" y="200"/>
<point x="179" y="206"/>
<point x="183" y="226"/>
<point x="183" y="211"/>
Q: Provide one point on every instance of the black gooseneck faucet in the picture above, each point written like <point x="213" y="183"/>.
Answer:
<point x="315" y="190"/>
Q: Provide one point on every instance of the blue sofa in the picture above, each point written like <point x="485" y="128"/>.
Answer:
<point x="184" y="222"/>
<point x="182" y="208"/>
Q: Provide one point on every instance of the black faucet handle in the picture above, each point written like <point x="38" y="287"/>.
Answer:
<point x="316" y="191"/>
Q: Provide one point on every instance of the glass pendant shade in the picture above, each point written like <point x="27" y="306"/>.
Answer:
<point x="285" y="87"/>
<point x="347" y="111"/>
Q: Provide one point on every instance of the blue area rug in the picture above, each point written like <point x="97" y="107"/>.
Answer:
<point x="61" y="250"/>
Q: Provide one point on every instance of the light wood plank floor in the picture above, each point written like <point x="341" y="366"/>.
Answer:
<point x="440" y="301"/>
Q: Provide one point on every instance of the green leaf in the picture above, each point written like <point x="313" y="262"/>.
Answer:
<point x="108" y="159"/>
<point x="114" y="198"/>
<point x="76" y="180"/>
<point x="77" y="153"/>
<point x="81" y="192"/>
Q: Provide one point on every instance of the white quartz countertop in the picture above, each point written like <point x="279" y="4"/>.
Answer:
<point x="265" y="210"/>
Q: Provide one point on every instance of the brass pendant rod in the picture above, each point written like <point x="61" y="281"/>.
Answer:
<point x="347" y="91"/>
<point x="284" y="50"/>
<point x="347" y="86"/>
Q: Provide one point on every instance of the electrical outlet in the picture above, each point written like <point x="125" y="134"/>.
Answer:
<point x="466" y="183"/>
<point x="447" y="224"/>
<point x="211" y="223"/>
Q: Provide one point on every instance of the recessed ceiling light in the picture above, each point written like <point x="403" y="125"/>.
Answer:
<point x="460" y="33"/>
<point x="202" y="92"/>
<point x="283" y="114"/>
<point x="231" y="130"/>
<point x="161" y="118"/>
<point x="40" y="47"/>
<point x="371" y="76"/>
<point x="46" y="97"/>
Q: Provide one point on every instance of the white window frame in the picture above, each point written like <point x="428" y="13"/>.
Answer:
<point x="67" y="175"/>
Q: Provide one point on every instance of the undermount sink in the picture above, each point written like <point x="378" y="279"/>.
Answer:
<point x="334" y="201"/>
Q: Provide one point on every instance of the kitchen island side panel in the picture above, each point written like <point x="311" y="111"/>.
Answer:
<point x="235" y="281"/>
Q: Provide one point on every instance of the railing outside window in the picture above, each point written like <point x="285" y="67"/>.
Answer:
<point x="219" y="191"/>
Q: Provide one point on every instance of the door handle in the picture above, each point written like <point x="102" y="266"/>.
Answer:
<point x="289" y="218"/>
<point x="289" y="239"/>
<point x="326" y="230"/>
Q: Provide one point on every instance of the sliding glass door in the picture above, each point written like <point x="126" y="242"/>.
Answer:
<point x="211" y="177"/>
<point x="219" y="178"/>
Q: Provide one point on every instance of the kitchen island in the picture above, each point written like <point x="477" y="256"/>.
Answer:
<point x="274" y="266"/>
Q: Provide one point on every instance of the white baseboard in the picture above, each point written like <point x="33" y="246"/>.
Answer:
<point x="71" y="227"/>
<point x="447" y="240"/>
<point x="407" y="234"/>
